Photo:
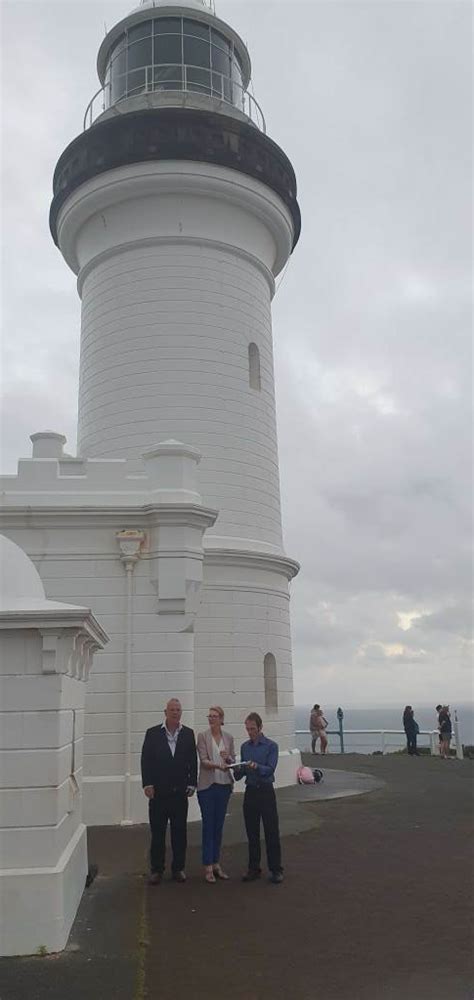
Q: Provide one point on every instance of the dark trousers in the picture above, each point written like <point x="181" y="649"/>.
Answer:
<point x="172" y="808"/>
<point x="213" y="802"/>
<point x="411" y="743"/>
<point x="260" y="804"/>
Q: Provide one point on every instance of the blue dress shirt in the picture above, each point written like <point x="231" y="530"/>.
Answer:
<point x="265" y="755"/>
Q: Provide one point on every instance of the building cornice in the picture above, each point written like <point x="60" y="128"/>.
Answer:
<point x="252" y="560"/>
<point x="108" y="514"/>
<point x="148" y="516"/>
<point x="55" y="619"/>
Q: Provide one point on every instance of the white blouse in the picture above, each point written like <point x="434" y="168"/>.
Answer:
<point x="220" y="777"/>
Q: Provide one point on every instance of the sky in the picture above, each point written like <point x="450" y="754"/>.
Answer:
<point x="372" y="318"/>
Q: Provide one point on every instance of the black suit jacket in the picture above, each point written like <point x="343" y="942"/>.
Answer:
<point x="165" y="772"/>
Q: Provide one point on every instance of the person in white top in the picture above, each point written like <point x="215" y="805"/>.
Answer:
<point x="215" y="750"/>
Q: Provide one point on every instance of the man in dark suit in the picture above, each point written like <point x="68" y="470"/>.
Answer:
<point x="169" y="777"/>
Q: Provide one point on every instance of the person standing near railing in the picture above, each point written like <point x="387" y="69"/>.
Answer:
<point x="317" y="726"/>
<point x="412" y="729"/>
<point x="445" y="731"/>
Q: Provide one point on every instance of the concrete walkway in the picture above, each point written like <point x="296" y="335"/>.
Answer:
<point x="375" y="903"/>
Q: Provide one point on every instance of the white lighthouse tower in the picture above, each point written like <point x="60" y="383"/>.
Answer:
<point x="176" y="212"/>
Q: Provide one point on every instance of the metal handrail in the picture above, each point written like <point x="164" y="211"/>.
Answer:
<point x="432" y="733"/>
<point x="249" y="107"/>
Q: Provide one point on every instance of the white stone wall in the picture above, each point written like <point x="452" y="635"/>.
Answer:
<point x="239" y="622"/>
<point x="46" y="652"/>
<point x="164" y="353"/>
<point x="243" y="614"/>
<point x="36" y="755"/>
<point x="84" y="565"/>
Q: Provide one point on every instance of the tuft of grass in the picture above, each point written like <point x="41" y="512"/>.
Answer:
<point x="41" y="950"/>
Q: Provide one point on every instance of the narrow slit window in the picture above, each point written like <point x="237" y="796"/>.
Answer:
<point x="254" y="367"/>
<point x="270" y="683"/>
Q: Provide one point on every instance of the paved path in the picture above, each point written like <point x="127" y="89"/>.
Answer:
<point x="375" y="904"/>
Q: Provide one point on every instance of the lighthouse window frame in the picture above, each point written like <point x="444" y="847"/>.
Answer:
<point x="270" y="683"/>
<point x="255" y="381"/>
<point x="174" y="53"/>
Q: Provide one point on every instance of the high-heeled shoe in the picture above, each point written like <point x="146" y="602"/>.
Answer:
<point x="219" y="873"/>
<point x="209" y="876"/>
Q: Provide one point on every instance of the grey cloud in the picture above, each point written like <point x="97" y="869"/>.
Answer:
<point x="455" y="618"/>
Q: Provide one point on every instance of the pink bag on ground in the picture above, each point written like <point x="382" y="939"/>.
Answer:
<point x="305" y="775"/>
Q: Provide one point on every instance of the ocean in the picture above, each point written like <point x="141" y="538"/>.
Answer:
<point x="385" y="717"/>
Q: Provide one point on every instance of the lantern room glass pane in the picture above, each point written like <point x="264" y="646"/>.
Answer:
<point x="168" y="78"/>
<point x="237" y="88"/>
<point x="118" y="77"/>
<point x="220" y="61"/>
<point x="135" y="82"/>
<point x="197" y="52"/>
<point x="196" y="29"/>
<point x="142" y="30"/>
<point x="140" y="53"/>
<point x="218" y="85"/>
<point x="220" y="41"/>
<point x="167" y="49"/>
<point x="167" y="25"/>
<point x="198" y="80"/>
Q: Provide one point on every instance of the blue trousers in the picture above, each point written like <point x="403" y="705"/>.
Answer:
<point x="213" y="802"/>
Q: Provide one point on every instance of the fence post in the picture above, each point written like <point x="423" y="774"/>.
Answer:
<point x="383" y="741"/>
<point x="340" y="716"/>
<point x="457" y="737"/>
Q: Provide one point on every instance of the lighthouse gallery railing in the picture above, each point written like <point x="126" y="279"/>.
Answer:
<point x="175" y="87"/>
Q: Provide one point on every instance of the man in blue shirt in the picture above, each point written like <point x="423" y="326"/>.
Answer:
<point x="259" y="757"/>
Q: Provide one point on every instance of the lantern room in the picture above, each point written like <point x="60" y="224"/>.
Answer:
<point x="172" y="53"/>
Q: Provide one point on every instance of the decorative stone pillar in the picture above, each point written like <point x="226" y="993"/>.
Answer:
<point x="130" y="541"/>
<point x="177" y="552"/>
<point x="46" y="651"/>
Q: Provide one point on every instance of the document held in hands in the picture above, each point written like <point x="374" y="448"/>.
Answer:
<point x="243" y="763"/>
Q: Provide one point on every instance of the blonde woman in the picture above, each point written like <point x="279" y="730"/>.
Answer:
<point x="215" y="750"/>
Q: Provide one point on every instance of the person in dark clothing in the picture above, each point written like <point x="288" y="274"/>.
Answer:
<point x="412" y="729"/>
<point x="169" y="777"/>
<point x="260" y="757"/>
<point x="440" y="738"/>
<point x="445" y="731"/>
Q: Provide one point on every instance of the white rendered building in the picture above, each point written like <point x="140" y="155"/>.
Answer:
<point x="176" y="212"/>
<point x="46" y="651"/>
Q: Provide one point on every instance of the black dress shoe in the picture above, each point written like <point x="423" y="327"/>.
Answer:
<point x="251" y="876"/>
<point x="155" y="878"/>
<point x="179" y="876"/>
<point x="276" y="877"/>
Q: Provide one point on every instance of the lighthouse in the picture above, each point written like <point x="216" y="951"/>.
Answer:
<point x="175" y="211"/>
